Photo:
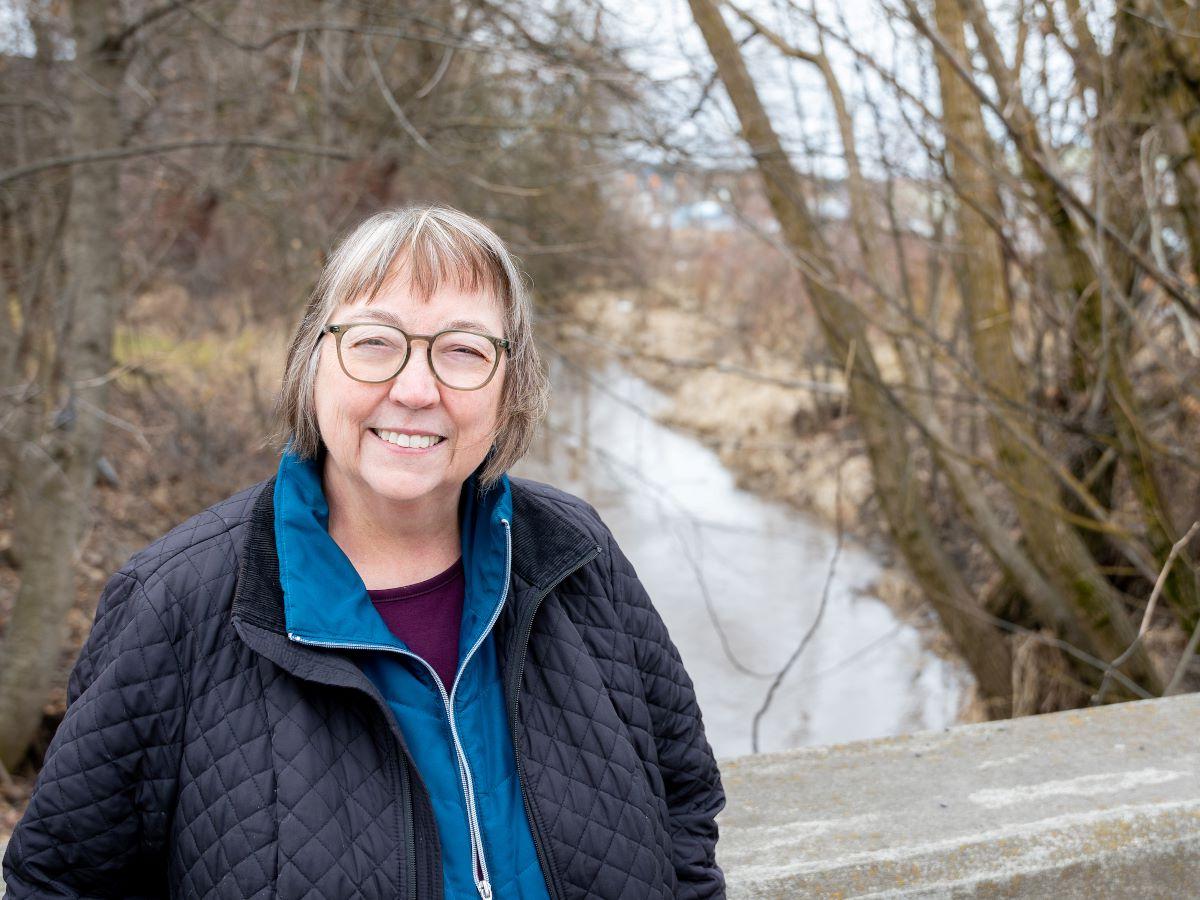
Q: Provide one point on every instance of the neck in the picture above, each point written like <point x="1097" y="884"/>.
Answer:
<point x="390" y="544"/>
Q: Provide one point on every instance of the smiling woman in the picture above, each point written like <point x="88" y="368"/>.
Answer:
<point x="391" y="670"/>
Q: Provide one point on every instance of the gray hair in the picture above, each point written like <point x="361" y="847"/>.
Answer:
<point x="436" y="247"/>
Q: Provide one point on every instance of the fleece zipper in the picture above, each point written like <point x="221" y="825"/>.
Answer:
<point x="478" y="861"/>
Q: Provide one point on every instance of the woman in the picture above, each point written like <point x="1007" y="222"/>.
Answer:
<point x="391" y="670"/>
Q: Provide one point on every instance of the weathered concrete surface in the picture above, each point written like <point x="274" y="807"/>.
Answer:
<point x="1085" y="804"/>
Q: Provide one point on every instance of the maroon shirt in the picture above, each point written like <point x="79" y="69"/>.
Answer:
<point x="427" y="616"/>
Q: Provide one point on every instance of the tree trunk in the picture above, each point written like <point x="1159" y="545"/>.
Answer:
<point x="884" y="428"/>
<point x="985" y="521"/>
<point x="56" y="465"/>
<point x="1089" y="614"/>
<point x="1149" y="89"/>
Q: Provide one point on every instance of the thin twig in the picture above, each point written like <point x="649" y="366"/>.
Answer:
<point x="812" y="629"/>
<point x="116" y="422"/>
<point x="1181" y="667"/>
<point x="711" y="608"/>
<point x="398" y="111"/>
<point x="1159" y="583"/>
<point x="680" y="362"/>
<point x="825" y="591"/>
<point x="1176" y="549"/>
<point x="889" y="635"/>
<point x="116" y="42"/>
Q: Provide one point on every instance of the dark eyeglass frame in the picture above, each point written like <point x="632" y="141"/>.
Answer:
<point x="338" y="330"/>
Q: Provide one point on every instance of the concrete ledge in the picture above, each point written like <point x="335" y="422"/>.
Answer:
<point x="1089" y="804"/>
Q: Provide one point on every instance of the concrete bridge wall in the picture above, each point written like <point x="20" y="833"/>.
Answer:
<point x="1085" y="804"/>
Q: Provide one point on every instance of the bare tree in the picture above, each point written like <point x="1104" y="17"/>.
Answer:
<point x="885" y="430"/>
<point x="1062" y="516"/>
<point x="57" y="462"/>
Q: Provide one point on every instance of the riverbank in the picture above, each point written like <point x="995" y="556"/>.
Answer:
<point x="777" y="425"/>
<point x="772" y="423"/>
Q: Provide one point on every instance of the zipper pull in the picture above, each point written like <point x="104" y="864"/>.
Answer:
<point x="485" y="890"/>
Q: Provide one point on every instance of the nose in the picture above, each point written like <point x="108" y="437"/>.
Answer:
<point x="415" y="386"/>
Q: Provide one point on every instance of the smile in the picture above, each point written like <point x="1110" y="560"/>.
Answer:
<point x="412" y="441"/>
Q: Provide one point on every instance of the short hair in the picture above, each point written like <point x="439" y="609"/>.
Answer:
<point x="434" y="247"/>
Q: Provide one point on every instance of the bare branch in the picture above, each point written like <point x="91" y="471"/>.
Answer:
<point x="825" y="590"/>
<point x="1159" y="583"/>
<point x="116" y="42"/>
<point x="284" y="34"/>
<point x="100" y="156"/>
<point x="1185" y="660"/>
<point x="1177" y="289"/>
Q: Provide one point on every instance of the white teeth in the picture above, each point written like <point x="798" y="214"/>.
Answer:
<point x="420" y="442"/>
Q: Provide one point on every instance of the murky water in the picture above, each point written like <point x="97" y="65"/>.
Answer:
<point x="719" y="561"/>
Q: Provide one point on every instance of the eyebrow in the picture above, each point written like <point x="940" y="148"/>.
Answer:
<point x="388" y="318"/>
<point x="375" y="315"/>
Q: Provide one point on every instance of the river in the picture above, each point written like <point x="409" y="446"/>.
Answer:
<point x="718" y="560"/>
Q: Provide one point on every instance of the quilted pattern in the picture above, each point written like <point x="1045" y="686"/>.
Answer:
<point x="205" y="755"/>
<point x="612" y="734"/>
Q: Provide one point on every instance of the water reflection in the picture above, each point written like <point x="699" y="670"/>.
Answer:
<point x="739" y="580"/>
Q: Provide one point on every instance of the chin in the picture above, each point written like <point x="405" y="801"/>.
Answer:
<point x="401" y="487"/>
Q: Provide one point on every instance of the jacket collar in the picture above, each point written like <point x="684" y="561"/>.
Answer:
<point x="324" y="599"/>
<point x="546" y="546"/>
<point x="258" y="597"/>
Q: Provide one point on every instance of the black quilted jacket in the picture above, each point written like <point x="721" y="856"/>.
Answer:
<point x="203" y="754"/>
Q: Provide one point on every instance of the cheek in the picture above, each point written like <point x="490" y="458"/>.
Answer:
<point x="483" y="414"/>
<point x="325" y="397"/>
<point x="339" y="406"/>
<point x="475" y="425"/>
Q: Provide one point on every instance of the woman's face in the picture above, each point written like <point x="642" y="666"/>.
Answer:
<point x="351" y="414"/>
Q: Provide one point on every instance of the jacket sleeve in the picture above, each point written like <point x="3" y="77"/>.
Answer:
<point x="689" y="771"/>
<point x="96" y="824"/>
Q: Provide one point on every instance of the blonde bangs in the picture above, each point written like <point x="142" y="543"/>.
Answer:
<point x="426" y="253"/>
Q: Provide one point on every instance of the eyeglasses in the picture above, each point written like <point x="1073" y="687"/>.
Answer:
<point x="372" y="353"/>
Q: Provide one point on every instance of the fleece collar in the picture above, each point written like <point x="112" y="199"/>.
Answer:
<point x="325" y="601"/>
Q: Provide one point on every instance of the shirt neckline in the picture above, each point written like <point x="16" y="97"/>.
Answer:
<point x="429" y="585"/>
